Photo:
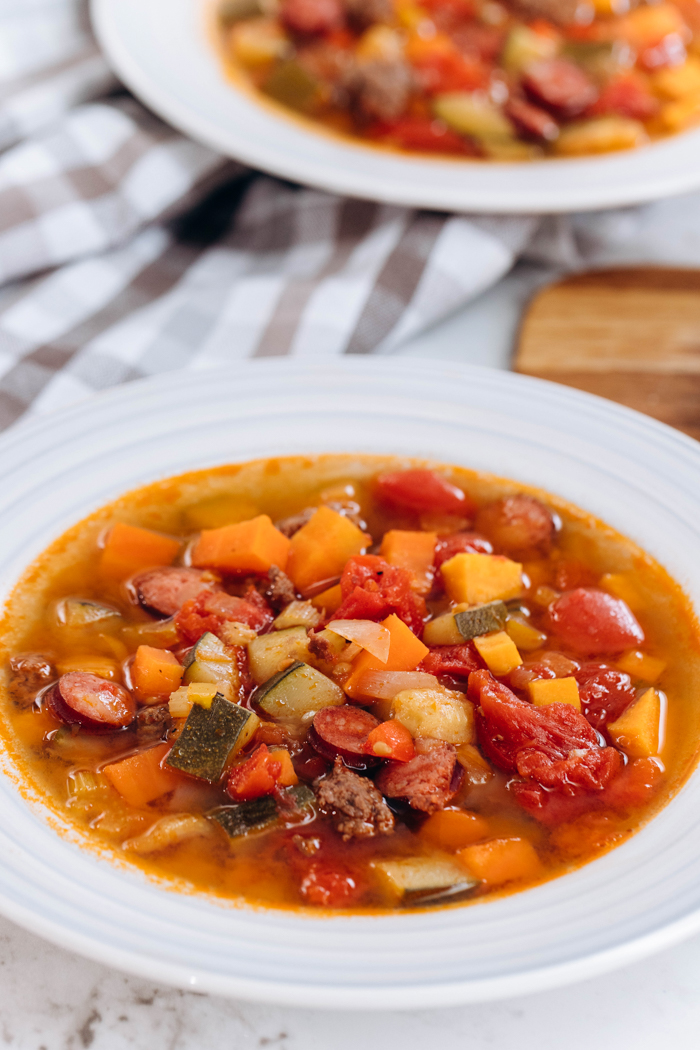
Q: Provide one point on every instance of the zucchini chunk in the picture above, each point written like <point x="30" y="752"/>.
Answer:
<point x="81" y="612"/>
<point x="273" y="652"/>
<point x="482" y="619"/>
<point x="210" y="738"/>
<point x="259" y="813"/>
<point x="424" y="880"/>
<point x="209" y="661"/>
<point x="297" y="691"/>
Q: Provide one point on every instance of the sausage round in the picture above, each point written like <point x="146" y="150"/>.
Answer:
<point x="162" y="592"/>
<point x="428" y="781"/>
<point x="518" y="524"/>
<point x="343" y="731"/>
<point x="98" y="706"/>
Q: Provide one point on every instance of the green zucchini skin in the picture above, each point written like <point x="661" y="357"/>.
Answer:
<point x="246" y="817"/>
<point x="208" y="738"/>
<point x="271" y="683"/>
<point x="482" y="619"/>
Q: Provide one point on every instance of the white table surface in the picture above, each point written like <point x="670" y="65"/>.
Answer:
<point x="53" y="1000"/>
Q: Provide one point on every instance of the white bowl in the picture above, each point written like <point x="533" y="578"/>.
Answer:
<point x="163" y="51"/>
<point x="636" y="474"/>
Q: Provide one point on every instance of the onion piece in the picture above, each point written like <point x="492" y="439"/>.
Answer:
<point x="365" y="633"/>
<point x="384" y="685"/>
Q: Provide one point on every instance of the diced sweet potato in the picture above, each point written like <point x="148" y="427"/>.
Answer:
<point x="501" y="860"/>
<point x="477" y="578"/>
<point x="554" y="691"/>
<point x="453" y="829"/>
<point x="142" y="778"/>
<point x="405" y="653"/>
<point x="248" y="546"/>
<point x="330" y="599"/>
<point x="641" y="665"/>
<point x="155" y="672"/>
<point x="638" y="730"/>
<point x="499" y="652"/>
<point x="320" y="549"/>
<point x="414" y="551"/>
<point x="129" y="549"/>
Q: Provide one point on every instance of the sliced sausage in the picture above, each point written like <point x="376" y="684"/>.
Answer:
<point x="162" y="592"/>
<point x="356" y="806"/>
<point x="531" y="121"/>
<point x="310" y="17"/>
<point x="559" y="86"/>
<point x="428" y="781"/>
<point x="518" y="524"/>
<point x="91" y="702"/>
<point x="342" y="731"/>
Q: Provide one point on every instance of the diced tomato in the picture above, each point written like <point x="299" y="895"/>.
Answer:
<point x="255" y="777"/>
<point x="423" y="134"/>
<point x="311" y="17"/>
<point x="450" y="71"/>
<point x="211" y="609"/>
<point x="628" y="97"/>
<point x="329" y="886"/>
<point x="372" y="590"/>
<point x="460" y="543"/>
<point x="485" y="42"/>
<point x="636" y="784"/>
<point x="508" y="726"/>
<point x="449" y="13"/>
<point x="591" y="770"/>
<point x="592" y="622"/>
<point x="423" y="490"/>
<point x="605" y="692"/>
<point x="454" y="661"/>
<point x="391" y="740"/>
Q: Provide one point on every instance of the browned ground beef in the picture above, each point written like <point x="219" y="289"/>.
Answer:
<point x="355" y="805"/>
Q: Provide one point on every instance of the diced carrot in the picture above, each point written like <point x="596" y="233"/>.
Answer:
<point x="129" y="549"/>
<point x="405" y="653"/>
<point x="287" y="778"/>
<point x="248" y="546"/>
<point x="414" y="551"/>
<point x="320" y="549"/>
<point x="142" y="778"/>
<point x="501" y="860"/>
<point x="391" y="740"/>
<point x="545" y="691"/>
<point x="638" y="730"/>
<point x="330" y="599"/>
<point x="454" y="829"/>
<point x="155" y="672"/>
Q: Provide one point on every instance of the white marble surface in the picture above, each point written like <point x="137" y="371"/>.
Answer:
<point x="53" y="1000"/>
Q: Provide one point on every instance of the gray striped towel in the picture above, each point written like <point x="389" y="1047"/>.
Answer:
<point x="127" y="249"/>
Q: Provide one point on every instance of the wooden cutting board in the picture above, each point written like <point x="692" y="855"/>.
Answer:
<point x="631" y="335"/>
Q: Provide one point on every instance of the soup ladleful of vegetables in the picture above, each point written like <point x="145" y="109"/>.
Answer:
<point x="350" y="682"/>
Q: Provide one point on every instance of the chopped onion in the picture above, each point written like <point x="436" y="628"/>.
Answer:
<point x="365" y="633"/>
<point x="384" y="685"/>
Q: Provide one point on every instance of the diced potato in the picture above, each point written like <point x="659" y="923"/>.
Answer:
<point x="453" y="829"/>
<point x="678" y="81"/>
<point x="436" y="713"/>
<point x="415" y="874"/>
<point x="234" y="633"/>
<point x="201" y="693"/>
<point x="600" y="135"/>
<point x="474" y="764"/>
<point x="526" y="637"/>
<point x="523" y="46"/>
<point x="642" y="666"/>
<point x="499" y="652"/>
<point x="180" y="703"/>
<point x="274" y="652"/>
<point x="443" y="630"/>
<point x="621" y="585"/>
<point x="471" y="113"/>
<point x="477" y="578"/>
<point x="102" y="666"/>
<point x="297" y="614"/>
<point x="501" y="860"/>
<point x="258" y="42"/>
<point x="210" y="662"/>
<point x="298" y="692"/>
<point x="545" y="691"/>
<point x="638" y="730"/>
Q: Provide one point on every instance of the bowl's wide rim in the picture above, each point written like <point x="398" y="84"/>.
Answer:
<point x="232" y="122"/>
<point x="505" y="409"/>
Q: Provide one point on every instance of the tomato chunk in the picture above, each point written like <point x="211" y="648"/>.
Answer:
<point x="592" y="622"/>
<point x="423" y="490"/>
<point x="329" y="886"/>
<point x="255" y="777"/>
<point x="423" y="134"/>
<point x="605" y="692"/>
<point x="210" y="610"/>
<point x="456" y="661"/>
<point x="372" y="590"/>
<point x="391" y="740"/>
<point x="460" y="543"/>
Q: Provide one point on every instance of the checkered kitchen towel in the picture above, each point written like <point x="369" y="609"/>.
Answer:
<point x="127" y="249"/>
